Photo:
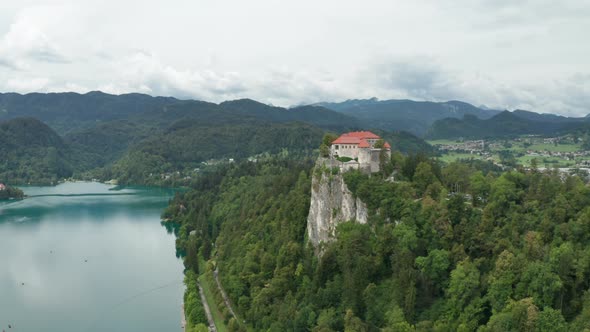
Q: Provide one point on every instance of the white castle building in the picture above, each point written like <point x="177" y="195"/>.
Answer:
<point x="359" y="146"/>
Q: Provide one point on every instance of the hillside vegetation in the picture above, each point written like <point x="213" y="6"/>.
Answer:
<point x="464" y="247"/>
<point x="138" y="139"/>
<point x="32" y="152"/>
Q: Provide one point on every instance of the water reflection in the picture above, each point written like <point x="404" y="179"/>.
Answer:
<point x="88" y="263"/>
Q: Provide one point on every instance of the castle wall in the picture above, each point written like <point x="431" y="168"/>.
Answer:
<point x="345" y="150"/>
<point x="364" y="156"/>
<point x="374" y="159"/>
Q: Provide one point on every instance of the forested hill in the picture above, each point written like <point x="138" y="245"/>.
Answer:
<point x="30" y="151"/>
<point x="68" y="112"/>
<point x="413" y="116"/>
<point x="505" y="124"/>
<point x="463" y="247"/>
<point x="141" y="139"/>
<point x="184" y="146"/>
<point x="139" y="154"/>
<point x="316" y="115"/>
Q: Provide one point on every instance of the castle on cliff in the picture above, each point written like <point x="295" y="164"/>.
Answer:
<point x="359" y="150"/>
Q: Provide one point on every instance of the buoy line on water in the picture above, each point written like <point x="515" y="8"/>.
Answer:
<point x="131" y="298"/>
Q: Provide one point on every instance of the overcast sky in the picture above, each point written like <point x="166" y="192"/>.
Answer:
<point x="534" y="55"/>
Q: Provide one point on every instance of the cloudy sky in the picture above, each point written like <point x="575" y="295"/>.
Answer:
<point x="533" y="55"/>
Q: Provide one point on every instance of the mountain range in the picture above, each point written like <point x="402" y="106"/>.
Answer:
<point x="408" y="115"/>
<point x="131" y="137"/>
<point x="506" y="123"/>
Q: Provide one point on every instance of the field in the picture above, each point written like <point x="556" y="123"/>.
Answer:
<point x="452" y="156"/>
<point x="548" y="152"/>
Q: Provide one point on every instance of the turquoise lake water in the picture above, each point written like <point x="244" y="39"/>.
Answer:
<point x="80" y="257"/>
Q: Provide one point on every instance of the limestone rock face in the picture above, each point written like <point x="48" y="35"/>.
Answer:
<point x="331" y="204"/>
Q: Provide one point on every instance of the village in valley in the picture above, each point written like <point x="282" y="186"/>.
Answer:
<point x="563" y="152"/>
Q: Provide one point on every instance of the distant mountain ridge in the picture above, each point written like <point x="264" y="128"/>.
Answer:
<point x="135" y="138"/>
<point x="72" y="113"/>
<point x="413" y="116"/>
<point x="506" y="123"/>
<point x="313" y="114"/>
<point x="67" y="112"/>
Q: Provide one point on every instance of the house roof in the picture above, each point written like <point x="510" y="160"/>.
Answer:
<point x="386" y="145"/>
<point x="355" y="137"/>
<point x="347" y="140"/>
<point x="364" y="144"/>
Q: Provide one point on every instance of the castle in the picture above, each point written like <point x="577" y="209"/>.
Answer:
<point x="359" y="147"/>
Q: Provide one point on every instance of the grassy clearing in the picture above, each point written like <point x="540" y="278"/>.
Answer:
<point x="452" y="156"/>
<point x="555" y="148"/>
<point x="547" y="162"/>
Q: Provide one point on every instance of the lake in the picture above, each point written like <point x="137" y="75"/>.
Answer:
<point x="80" y="257"/>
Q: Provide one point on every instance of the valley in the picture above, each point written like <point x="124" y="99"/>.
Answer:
<point x="285" y="226"/>
<point x="294" y="166"/>
<point x="568" y="151"/>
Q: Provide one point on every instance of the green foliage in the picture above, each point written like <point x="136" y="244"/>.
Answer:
<point x="379" y="144"/>
<point x="193" y="308"/>
<point x="344" y="159"/>
<point x="328" y="139"/>
<point x="11" y="193"/>
<point x="32" y="153"/>
<point x="485" y="251"/>
<point x="186" y="147"/>
<point x="423" y="177"/>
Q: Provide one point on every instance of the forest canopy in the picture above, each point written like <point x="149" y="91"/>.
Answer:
<point x="457" y="247"/>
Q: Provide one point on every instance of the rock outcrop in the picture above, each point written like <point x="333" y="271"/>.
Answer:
<point x="331" y="204"/>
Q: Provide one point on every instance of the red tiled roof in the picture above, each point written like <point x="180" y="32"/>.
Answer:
<point x="386" y="145"/>
<point x="355" y="137"/>
<point x="362" y="134"/>
<point x="347" y="140"/>
<point x="364" y="144"/>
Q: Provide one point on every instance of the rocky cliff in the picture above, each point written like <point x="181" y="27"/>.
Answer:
<point x="331" y="204"/>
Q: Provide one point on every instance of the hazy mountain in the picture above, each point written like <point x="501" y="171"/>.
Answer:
<point x="505" y="124"/>
<point x="413" y="116"/>
<point x="68" y="112"/>
<point x="316" y="115"/>
<point x="132" y="136"/>
<point x="543" y="117"/>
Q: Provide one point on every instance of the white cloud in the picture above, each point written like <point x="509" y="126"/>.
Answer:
<point x="27" y="85"/>
<point x="26" y="40"/>
<point x="144" y="72"/>
<point x="502" y="54"/>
